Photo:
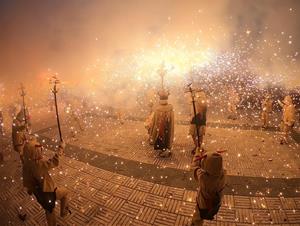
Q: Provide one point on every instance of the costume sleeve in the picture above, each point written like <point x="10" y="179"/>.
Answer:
<point x="52" y="162"/>
<point x="198" y="172"/>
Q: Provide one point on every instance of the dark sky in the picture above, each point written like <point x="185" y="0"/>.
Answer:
<point x="69" y="35"/>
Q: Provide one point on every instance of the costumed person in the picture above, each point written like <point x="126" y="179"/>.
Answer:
<point x="198" y="122"/>
<point x="20" y="131"/>
<point x="149" y="124"/>
<point x="288" y="117"/>
<point x="210" y="175"/>
<point x="233" y="101"/>
<point x="150" y="99"/>
<point x="162" y="126"/>
<point x="37" y="180"/>
<point x="266" y="106"/>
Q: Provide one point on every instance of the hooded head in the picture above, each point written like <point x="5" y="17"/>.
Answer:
<point x="20" y="116"/>
<point x="163" y="96"/>
<point x="288" y="100"/>
<point x="213" y="164"/>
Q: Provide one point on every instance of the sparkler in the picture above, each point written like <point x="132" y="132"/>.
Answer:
<point x="55" y="81"/>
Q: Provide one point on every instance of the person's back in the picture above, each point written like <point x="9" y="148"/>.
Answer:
<point x="37" y="180"/>
<point x="210" y="176"/>
<point x="289" y="114"/>
<point x="162" y="126"/>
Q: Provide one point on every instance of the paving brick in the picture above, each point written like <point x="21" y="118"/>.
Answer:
<point x="115" y="203"/>
<point x="90" y="209"/>
<point x="226" y="214"/>
<point x="228" y="200"/>
<point x="278" y="216"/>
<point x="220" y="223"/>
<point x="183" y="220"/>
<point x="144" y="186"/>
<point x="131" y="209"/>
<point x="170" y="205"/>
<point x="297" y="202"/>
<point x="175" y="193"/>
<point x="32" y="207"/>
<point x="110" y="187"/>
<point x="118" y="179"/>
<point x="293" y="216"/>
<point x="121" y="219"/>
<point x="78" y="218"/>
<point x="288" y="203"/>
<point x="84" y="189"/>
<point x="138" y="197"/>
<point x="94" y="222"/>
<point x="242" y="202"/>
<point x="273" y="203"/>
<point x="160" y="190"/>
<point x="165" y="219"/>
<point x="186" y="208"/>
<point x="98" y="183"/>
<point x="258" y="203"/>
<point x="244" y="215"/>
<point x="104" y="216"/>
<point x="147" y="214"/>
<point x="154" y="201"/>
<point x="139" y="223"/>
<point x="77" y="201"/>
<point x="101" y="197"/>
<point x="210" y="223"/>
<point x="189" y="196"/>
<point x="123" y="192"/>
<point x="262" y="216"/>
<point x="131" y="183"/>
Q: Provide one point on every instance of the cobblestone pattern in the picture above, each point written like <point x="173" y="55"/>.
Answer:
<point x="101" y="197"/>
<point x="247" y="152"/>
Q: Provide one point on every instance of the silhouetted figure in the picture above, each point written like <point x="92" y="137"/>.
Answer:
<point x="37" y="180"/>
<point x="162" y="126"/>
<point x="210" y="176"/>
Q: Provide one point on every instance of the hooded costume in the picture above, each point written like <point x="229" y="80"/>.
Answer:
<point x="288" y="117"/>
<point x="162" y="126"/>
<point x="19" y="132"/>
<point x="37" y="180"/>
<point x="289" y="111"/>
<point x="266" y="106"/>
<point x="210" y="176"/>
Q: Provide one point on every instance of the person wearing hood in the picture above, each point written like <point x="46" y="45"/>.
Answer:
<point x="233" y="102"/>
<point x="198" y="122"/>
<point x="161" y="129"/>
<point x="266" y="106"/>
<point x="288" y="117"/>
<point x="37" y="179"/>
<point x="20" y="128"/>
<point x="210" y="176"/>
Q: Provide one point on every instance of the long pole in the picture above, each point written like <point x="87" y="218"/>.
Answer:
<point x="195" y="113"/>
<point x="23" y="94"/>
<point x="54" y="91"/>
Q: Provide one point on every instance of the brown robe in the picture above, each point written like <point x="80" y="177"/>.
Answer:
<point x="162" y="126"/>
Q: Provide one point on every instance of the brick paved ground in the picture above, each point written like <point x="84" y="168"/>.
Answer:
<point x="248" y="152"/>
<point x="100" y="197"/>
